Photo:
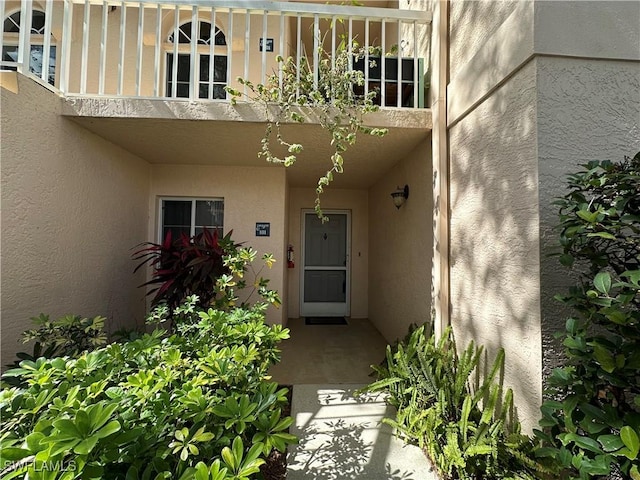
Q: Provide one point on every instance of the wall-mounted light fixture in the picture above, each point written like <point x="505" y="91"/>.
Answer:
<point x="400" y="195"/>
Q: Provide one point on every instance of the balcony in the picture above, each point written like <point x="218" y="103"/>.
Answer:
<point x="189" y="51"/>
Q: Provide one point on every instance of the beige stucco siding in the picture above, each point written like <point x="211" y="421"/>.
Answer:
<point x="590" y="29"/>
<point x="400" y="246"/>
<point x="536" y="88"/>
<point x="474" y="24"/>
<point x="356" y="201"/>
<point x="73" y="206"/>
<point x="494" y="234"/>
<point x="489" y="42"/>
<point x="587" y="110"/>
<point x="251" y="194"/>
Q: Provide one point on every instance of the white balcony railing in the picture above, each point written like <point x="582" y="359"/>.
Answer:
<point x="191" y="49"/>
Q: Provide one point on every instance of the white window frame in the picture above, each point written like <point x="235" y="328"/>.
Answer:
<point x="12" y="39"/>
<point x="176" y="48"/>
<point x="193" y="225"/>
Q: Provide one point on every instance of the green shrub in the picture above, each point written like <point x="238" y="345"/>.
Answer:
<point x="467" y="433"/>
<point x="194" y="404"/>
<point x="69" y="335"/>
<point x="204" y="265"/>
<point x="591" y="422"/>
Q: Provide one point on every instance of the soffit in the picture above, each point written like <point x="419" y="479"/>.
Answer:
<point x="188" y="139"/>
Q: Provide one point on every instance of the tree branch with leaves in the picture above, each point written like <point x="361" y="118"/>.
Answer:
<point x="329" y="92"/>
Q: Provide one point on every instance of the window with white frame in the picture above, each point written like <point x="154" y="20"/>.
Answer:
<point x="211" y="74"/>
<point x="10" y="49"/>
<point x="190" y="216"/>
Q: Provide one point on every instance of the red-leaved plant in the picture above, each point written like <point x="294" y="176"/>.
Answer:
<point x="186" y="266"/>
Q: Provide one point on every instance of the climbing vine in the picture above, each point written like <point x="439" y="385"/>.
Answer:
<point x="331" y="93"/>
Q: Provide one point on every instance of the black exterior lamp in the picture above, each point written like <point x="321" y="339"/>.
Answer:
<point x="400" y="195"/>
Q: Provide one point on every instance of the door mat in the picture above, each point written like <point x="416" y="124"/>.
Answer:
<point x="325" y="321"/>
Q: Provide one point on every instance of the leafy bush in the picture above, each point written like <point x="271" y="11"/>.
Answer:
<point x="191" y="405"/>
<point x="203" y="265"/>
<point x="69" y="335"/>
<point x="467" y="433"/>
<point x="591" y="422"/>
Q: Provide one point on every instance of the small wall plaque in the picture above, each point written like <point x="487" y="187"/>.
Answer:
<point x="269" y="44"/>
<point x="263" y="229"/>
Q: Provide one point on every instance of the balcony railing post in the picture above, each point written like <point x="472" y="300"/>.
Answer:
<point x="350" y="39"/>
<point x="316" y="50"/>
<point x="416" y="82"/>
<point x="280" y="71"/>
<point x="174" y="60"/>
<point x="1" y="33"/>
<point x="263" y="71"/>
<point x="298" y="54"/>
<point x="229" y="46"/>
<point x="139" y="52"/>
<point x="383" y="64"/>
<point x="24" y="45"/>
<point x="212" y="54"/>
<point x="157" y="52"/>
<point x="333" y="51"/>
<point x="399" y="73"/>
<point x="247" y="45"/>
<point x="65" y="53"/>
<point x="85" y="46"/>
<point x="123" y="36"/>
<point x="193" y="56"/>
<point x="366" y="57"/>
<point x="103" y="47"/>
<point x="46" y="48"/>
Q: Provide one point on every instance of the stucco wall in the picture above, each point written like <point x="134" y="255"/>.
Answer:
<point x="334" y="198"/>
<point x="587" y="110"/>
<point x="251" y="194"/>
<point x="494" y="224"/>
<point x="73" y="205"/>
<point x="494" y="234"/>
<point x="535" y="89"/>
<point x="400" y="245"/>
<point x="591" y="29"/>
<point x="488" y="42"/>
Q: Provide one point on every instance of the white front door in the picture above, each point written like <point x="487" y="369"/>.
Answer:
<point x="325" y="265"/>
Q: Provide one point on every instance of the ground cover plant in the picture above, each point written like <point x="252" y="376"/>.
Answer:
<point x="591" y="420"/>
<point x="192" y="404"/>
<point x="467" y="432"/>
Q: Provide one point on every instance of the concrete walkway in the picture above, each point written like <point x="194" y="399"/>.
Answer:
<point x="342" y="438"/>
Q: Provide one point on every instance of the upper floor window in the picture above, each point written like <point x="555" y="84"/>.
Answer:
<point x="10" y="46"/>
<point x="211" y="74"/>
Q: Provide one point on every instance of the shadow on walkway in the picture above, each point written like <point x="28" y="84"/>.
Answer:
<point x="342" y="438"/>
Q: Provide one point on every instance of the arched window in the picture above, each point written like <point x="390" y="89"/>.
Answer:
<point x="208" y="85"/>
<point x="10" y="47"/>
